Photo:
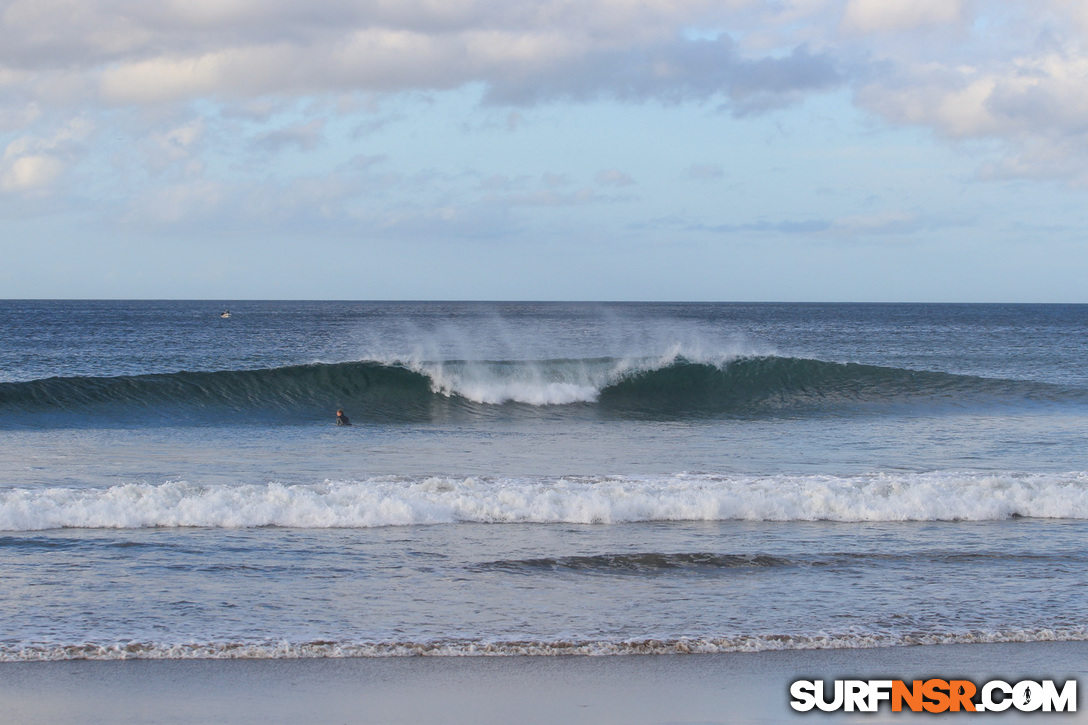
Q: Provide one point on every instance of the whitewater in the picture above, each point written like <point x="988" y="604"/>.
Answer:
<point x="537" y="479"/>
<point x="936" y="496"/>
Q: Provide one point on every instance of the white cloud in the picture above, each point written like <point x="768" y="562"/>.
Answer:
<point x="520" y="67"/>
<point x="1037" y="107"/>
<point x="1011" y="71"/>
<point x="165" y="79"/>
<point x="131" y="52"/>
<point x="955" y="106"/>
<point x="30" y="172"/>
<point x="1015" y="78"/>
<point x="868" y="16"/>
<point x="33" y="163"/>
<point x="1046" y="94"/>
<point x="1076" y="11"/>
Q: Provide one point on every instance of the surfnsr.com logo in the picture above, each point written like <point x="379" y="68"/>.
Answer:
<point x="934" y="695"/>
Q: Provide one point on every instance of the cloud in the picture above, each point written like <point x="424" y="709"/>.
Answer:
<point x="868" y="16"/>
<point x="551" y="190"/>
<point x="360" y="197"/>
<point x="18" y="116"/>
<point x="30" y="172"/>
<point x="341" y="202"/>
<point x="805" y="226"/>
<point x="133" y="53"/>
<point x="889" y="222"/>
<point x="300" y="136"/>
<point x="673" y="71"/>
<point x="34" y="163"/>
<point x="185" y="202"/>
<point x="614" y="177"/>
<point x="1036" y="106"/>
<point x="1015" y="77"/>
<point x="850" y="227"/>
<point x="172" y="145"/>
<point x="1045" y="95"/>
<point x="549" y="198"/>
<point x="1013" y="73"/>
<point x="517" y="68"/>
<point x="42" y="34"/>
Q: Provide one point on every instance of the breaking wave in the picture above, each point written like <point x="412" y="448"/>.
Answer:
<point x="936" y="496"/>
<point x="670" y="386"/>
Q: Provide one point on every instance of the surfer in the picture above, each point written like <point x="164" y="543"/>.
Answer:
<point x="341" y="419"/>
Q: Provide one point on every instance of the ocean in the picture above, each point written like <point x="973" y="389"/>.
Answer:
<point x="537" y="478"/>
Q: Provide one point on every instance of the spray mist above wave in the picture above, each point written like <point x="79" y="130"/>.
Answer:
<point x="551" y="382"/>
<point x="939" y="496"/>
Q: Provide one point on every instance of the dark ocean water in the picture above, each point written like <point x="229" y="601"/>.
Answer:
<point x="537" y="478"/>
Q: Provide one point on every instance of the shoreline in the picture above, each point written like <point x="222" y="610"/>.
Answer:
<point x="461" y="649"/>
<point x="704" y="688"/>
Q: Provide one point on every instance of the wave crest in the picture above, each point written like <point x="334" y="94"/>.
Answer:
<point x="669" y="386"/>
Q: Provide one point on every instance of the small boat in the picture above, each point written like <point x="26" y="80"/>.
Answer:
<point x="225" y="315"/>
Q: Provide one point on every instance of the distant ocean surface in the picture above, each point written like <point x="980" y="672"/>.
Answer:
<point x="537" y="478"/>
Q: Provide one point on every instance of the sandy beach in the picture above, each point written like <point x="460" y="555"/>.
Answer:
<point x="722" y="688"/>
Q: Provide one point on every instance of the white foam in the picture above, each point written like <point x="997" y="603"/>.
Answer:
<point x="683" y="645"/>
<point x="551" y="382"/>
<point x="598" y="354"/>
<point x="936" y="496"/>
<point x="527" y="383"/>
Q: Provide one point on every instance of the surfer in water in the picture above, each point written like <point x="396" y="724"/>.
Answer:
<point x="341" y="419"/>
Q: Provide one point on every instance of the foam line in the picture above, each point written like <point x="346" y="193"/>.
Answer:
<point x="936" y="496"/>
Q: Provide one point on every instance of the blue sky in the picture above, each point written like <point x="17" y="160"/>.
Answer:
<point x="825" y="150"/>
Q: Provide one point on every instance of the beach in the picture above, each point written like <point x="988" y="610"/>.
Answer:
<point x="634" y="689"/>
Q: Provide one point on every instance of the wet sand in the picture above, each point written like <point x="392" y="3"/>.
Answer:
<point x="722" y="688"/>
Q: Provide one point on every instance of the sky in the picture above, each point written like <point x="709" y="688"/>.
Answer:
<point x="748" y="150"/>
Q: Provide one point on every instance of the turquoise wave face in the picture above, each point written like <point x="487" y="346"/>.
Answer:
<point x="431" y="391"/>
